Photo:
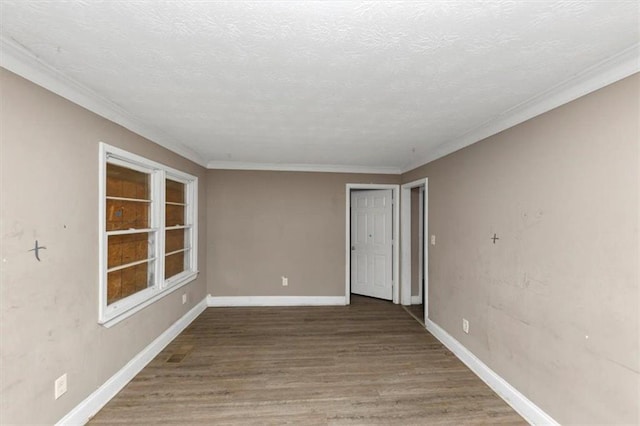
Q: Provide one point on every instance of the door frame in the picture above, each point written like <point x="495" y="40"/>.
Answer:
<point x="405" y="242"/>
<point x="421" y="242"/>
<point x="395" y="258"/>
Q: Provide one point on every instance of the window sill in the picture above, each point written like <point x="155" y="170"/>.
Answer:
<point x="181" y="282"/>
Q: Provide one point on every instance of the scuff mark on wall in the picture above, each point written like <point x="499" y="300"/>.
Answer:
<point x="531" y="219"/>
<point x="510" y="313"/>
<point x="535" y="285"/>
<point x="16" y="231"/>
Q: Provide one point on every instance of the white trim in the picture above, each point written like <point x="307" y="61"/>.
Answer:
<point x="425" y="251"/>
<point x="237" y="301"/>
<point x="525" y="407"/>
<point x="133" y="200"/>
<point x="175" y="227"/>
<point x="184" y="280"/>
<point x="109" y="315"/>
<point x="18" y="60"/>
<point x="396" y="233"/>
<point x="416" y="300"/>
<point x="129" y="265"/>
<point x="130" y="231"/>
<point x="324" y="168"/>
<point x="421" y="241"/>
<point x="176" y="252"/>
<point x="93" y="403"/>
<point x="612" y="69"/>
<point x="405" y="242"/>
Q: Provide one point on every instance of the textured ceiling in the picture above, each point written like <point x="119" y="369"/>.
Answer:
<point x="370" y="84"/>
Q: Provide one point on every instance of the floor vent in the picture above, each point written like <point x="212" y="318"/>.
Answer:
<point x="176" y="358"/>
<point x="180" y="354"/>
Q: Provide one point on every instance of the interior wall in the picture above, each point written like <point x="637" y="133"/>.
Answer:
<point x="49" y="309"/>
<point x="553" y="304"/>
<point x="263" y="225"/>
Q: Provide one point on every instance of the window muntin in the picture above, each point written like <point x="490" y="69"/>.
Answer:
<point x="178" y="234"/>
<point x="148" y="231"/>
<point x="130" y="247"/>
<point x="129" y="280"/>
<point x="177" y="251"/>
<point x="130" y="264"/>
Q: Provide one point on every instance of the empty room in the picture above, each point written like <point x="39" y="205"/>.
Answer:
<point x="320" y="212"/>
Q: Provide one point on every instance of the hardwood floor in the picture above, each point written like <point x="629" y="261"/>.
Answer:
<point x="363" y="364"/>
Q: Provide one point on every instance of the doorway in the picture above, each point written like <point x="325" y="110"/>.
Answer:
<point x="372" y="252"/>
<point x="419" y="190"/>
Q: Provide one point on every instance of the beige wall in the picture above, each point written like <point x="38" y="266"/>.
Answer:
<point x="553" y="305"/>
<point x="263" y="225"/>
<point x="49" y="309"/>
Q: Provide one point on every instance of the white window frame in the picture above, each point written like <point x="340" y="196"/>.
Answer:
<point x="190" y="214"/>
<point x="109" y="315"/>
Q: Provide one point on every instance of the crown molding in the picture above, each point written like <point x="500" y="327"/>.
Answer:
<point x="19" y="60"/>
<point x="321" y="168"/>
<point x="608" y="71"/>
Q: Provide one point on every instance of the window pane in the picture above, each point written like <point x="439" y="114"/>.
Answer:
<point x="174" y="215"/>
<point x="128" y="281"/>
<point x="176" y="263"/>
<point x="127" y="183"/>
<point x="176" y="239"/>
<point x="127" y="214"/>
<point x="174" y="191"/>
<point x="123" y="249"/>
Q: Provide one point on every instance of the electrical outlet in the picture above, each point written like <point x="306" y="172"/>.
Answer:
<point x="465" y="325"/>
<point x="433" y="240"/>
<point x="184" y="298"/>
<point x="285" y="281"/>
<point x="60" y="386"/>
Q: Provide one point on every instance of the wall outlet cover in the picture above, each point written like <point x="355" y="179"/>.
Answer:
<point x="60" y="386"/>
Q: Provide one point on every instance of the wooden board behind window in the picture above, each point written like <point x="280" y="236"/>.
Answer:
<point x="174" y="264"/>
<point x="127" y="183"/>
<point x="174" y="240"/>
<point x="127" y="281"/>
<point x="128" y="248"/>
<point x="134" y="185"/>
<point x="174" y="192"/>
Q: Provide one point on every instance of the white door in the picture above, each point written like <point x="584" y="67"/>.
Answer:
<point x="372" y="243"/>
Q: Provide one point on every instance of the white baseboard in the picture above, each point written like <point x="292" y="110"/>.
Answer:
<point x="230" y="301"/>
<point x="81" y="414"/>
<point x="416" y="300"/>
<point x="527" y="409"/>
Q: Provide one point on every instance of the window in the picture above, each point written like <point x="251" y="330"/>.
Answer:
<point x="147" y="230"/>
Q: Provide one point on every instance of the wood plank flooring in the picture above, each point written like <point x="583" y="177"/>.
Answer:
<point x="364" y="364"/>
